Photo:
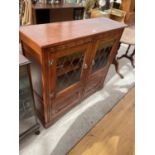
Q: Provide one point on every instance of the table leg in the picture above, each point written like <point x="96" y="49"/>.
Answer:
<point x="116" y="64"/>
<point x="132" y="58"/>
<point x="126" y="53"/>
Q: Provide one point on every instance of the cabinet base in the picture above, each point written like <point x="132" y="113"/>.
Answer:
<point x="58" y="115"/>
<point x="33" y="129"/>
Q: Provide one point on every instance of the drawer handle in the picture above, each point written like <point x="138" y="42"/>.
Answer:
<point x="85" y="66"/>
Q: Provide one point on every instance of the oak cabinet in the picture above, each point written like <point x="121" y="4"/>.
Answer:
<point x="69" y="65"/>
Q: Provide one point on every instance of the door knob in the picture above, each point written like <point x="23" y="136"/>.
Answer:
<point x="52" y="94"/>
<point x="85" y="66"/>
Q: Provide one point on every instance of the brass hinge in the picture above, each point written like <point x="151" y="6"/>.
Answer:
<point x="51" y="94"/>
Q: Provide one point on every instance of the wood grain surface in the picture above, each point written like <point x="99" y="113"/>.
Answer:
<point x="114" y="134"/>
<point x="44" y="35"/>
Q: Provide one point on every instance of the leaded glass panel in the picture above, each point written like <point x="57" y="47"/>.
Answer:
<point x="101" y="57"/>
<point x="69" y="70"/>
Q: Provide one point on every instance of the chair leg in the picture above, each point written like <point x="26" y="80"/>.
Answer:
<point x="130" y="57"/>
<point x="126" y="53"/>
<point x="116" y="64"/>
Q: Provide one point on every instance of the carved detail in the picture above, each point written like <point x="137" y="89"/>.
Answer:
<point x="70" y="45"/>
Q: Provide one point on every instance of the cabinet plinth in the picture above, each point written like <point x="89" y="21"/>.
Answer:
<point x="70" y="61"/>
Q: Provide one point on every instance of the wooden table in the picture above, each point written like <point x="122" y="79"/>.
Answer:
<point x="46" y="13"/>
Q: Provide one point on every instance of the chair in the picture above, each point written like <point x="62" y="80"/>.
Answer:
<point x="113" y="13"/>
<point x="117" y="14"/>
<point x="128" y="38"/>
<point x="98" y="13"/>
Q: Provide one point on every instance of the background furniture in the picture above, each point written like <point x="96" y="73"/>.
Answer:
<point x="110" y="10"/>
<point x="129" y="7"/>
<point x="128" y="38"/>
<point x="72" y="64"/>
<point x="25" y="12"/>
<point x="98" y="13"/>
<point x="46" y="13"/>
<point x="95" y="8"/>
<point x="27" y="118"/>
<point x="114" y="14"/>
<point x="117" y="14"/>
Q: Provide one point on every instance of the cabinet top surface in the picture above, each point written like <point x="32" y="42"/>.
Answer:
<point x="44" y="35"/>
<point x="55" y="6"/>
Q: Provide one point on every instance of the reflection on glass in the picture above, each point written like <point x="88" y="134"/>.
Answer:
<point x="25" y="96"/>
<point x="101" y="57"/>
<point x="69" y="70"/>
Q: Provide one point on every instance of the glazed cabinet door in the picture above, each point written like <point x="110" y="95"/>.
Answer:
<point x="100" y="61"/>
<point x="67" y="72"/>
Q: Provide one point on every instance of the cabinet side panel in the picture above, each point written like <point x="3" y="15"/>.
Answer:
<point x="36" y="75"/>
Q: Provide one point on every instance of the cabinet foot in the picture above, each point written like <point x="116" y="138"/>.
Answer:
<point x="37" y="132"/>
<point x="115" y="63"/>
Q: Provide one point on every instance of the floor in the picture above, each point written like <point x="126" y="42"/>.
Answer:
<point x="69" y="129"/>
<point x="114" y="134"/>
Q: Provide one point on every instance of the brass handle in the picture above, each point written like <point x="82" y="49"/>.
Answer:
<point x="50" y="62"/>
<point x="85" y="66"/>
<point x="51" y="94"/>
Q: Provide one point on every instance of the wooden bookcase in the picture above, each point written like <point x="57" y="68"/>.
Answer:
<point x="48" y="13"/>
<point x="70" y="61"/>
<point x="129" y="7"/>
